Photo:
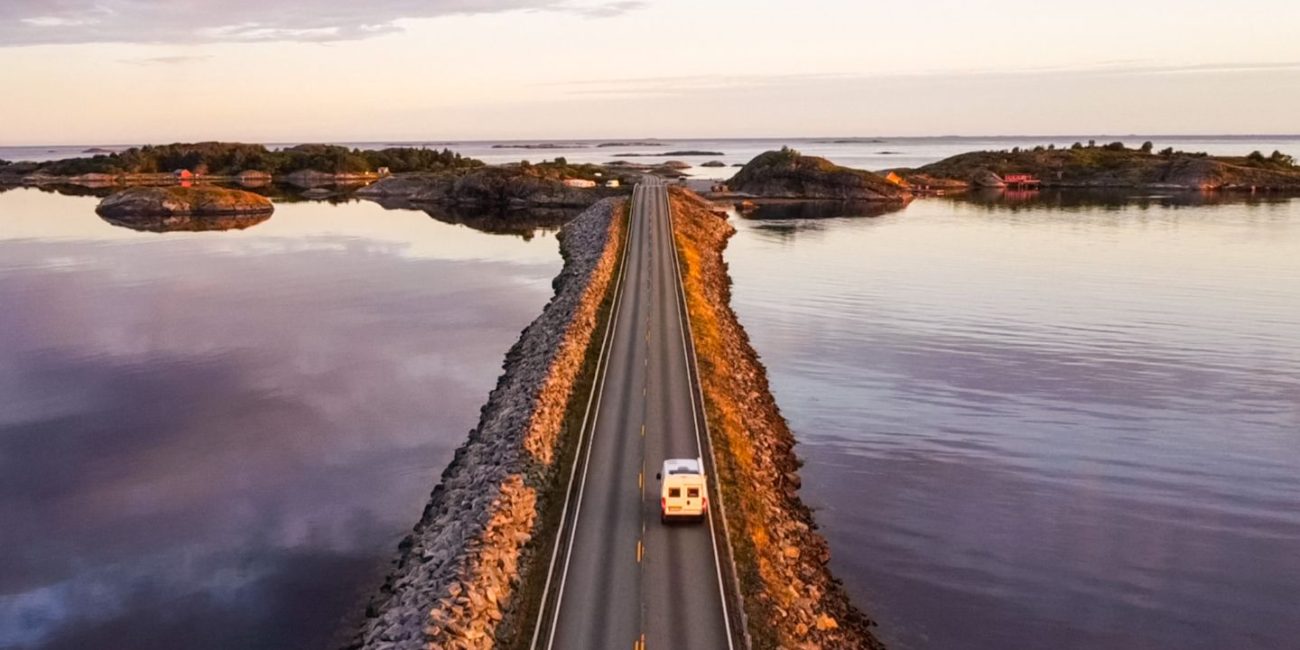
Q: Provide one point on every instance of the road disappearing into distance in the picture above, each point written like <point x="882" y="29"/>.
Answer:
<point x="620" y="578"/>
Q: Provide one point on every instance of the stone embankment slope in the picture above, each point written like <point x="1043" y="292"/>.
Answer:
<point x="791" y="599"/>
<point x="457" y="572"/>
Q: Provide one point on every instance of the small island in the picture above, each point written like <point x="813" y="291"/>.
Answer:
<point x="552" y="184"/>
<point x="197" y="201"/>
<point x="683" y="153"/>
<point x="788" y="174"/>
<point x="540" y="145"/>
<point x="1109" y="166"/>
<point x="632" y="143"/>
<point x="235" y="162"/>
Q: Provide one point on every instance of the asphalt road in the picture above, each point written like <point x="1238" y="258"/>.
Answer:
<point x="624" y="580"/>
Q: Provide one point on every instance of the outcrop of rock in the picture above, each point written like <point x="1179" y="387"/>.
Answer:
<point x="787" y="174"/>
<point x="201" y="200"/>
<point x="791" y="599"/>
<point x="457" y="572"/>
<point x="986" y="178"/>
<point x="187" y="222"/>
<point x="1114" y="166"/>
<point x="487" y="186"/>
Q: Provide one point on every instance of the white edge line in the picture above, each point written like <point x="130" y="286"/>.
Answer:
<point x="681" y="294"/>
<point x="602" y="365"/>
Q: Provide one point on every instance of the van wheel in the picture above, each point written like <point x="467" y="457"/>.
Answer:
<point x="663" y="519"/>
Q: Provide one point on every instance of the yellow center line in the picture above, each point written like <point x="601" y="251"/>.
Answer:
<point x="638" y="551"/>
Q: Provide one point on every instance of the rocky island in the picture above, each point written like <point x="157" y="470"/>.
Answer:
<point x="685" y="152"/>
<point x="198" y="201"/>
<point x="1111" y="166"/>
<point x="547" y="184"/>
<point x="306" y="165"/>
<point x="788" y="174"/>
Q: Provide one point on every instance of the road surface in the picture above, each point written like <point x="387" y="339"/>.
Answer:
<point x="620" y="578"/>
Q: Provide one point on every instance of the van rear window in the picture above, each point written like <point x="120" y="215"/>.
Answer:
<point x="693" y="493"/>
<point x="674" y="492"/>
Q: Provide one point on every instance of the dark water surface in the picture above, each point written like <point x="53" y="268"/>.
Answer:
<point x="1046" y="423"/>
<point x="216" y="439"/>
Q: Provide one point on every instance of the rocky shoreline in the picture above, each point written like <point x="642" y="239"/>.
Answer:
<point x="791" y="598"/>
<point x="453" y="581"/>
<point x="177" y="201"/>
<point x="1110" y="166"/>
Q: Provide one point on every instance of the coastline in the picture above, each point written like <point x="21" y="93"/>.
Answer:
<point x="455" y="576"/>
<point x="792" y="600"/>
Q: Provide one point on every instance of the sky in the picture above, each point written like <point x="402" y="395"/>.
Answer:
<point x="133" y="71"/>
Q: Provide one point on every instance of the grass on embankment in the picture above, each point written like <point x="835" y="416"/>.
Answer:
<point x="791" y="599"/>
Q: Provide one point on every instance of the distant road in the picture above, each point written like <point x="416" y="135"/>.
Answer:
<point x="621" y="579"/>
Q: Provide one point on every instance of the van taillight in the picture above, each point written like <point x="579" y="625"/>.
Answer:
<point x="705" y="504"/>
<point x="663" y="503"/>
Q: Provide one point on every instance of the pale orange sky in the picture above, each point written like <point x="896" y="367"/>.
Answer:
<point x="110" y="71"/>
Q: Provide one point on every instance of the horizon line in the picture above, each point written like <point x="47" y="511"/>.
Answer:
<point x="585" y="140"/>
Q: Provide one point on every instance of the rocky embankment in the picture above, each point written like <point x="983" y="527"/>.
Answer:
<point x="175" y="201"/>
<point x="1112" y="166"/>
<point x="488" y="186"/>
<point x="791" y="599"/>
<point x="457" y="574"/>
<point x="788" y="174"/>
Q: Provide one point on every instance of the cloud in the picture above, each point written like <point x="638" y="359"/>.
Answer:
<point x="42" y="22"/>
<point x="169" y="60"/>
<point x="685" y="85"/>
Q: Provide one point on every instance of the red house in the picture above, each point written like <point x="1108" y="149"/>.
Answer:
<point x="1021" y="180"/>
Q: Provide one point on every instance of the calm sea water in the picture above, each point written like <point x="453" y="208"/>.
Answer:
<point x="1056" y="422"/>
<point x="216" y="439"/>
<point x="1050" y="421"/>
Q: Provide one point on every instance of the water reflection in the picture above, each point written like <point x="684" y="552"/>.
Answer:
<point x="186" y="223"/>
<point x="217" y="441"/>
<point x="1041" y="422"/>
<point x="521" y="223"/>
<point x="790" y="220"/>
<point x="1118" y="199"/>
<point x="823" y="209"/>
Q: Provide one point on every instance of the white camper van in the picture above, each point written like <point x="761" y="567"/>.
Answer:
<point x="682" y="493"/>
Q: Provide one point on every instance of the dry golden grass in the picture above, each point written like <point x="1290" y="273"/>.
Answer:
<point x="790" y="597"/>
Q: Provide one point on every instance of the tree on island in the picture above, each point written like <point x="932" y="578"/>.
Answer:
<point x="231" y="158"/>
